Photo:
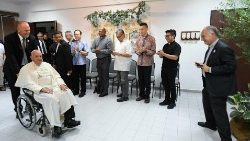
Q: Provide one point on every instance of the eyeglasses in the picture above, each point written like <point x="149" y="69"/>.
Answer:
<point x="167" y="36"/>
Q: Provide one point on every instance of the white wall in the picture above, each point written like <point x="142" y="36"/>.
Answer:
<point x="9" y="6"/>
<point x="181" y="15"/>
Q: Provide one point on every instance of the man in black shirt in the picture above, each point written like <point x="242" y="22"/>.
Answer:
<point x="170" y="54"/>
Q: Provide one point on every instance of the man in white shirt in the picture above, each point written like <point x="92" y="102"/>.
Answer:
<point x="50" y="90"/>
<point x="2" y="56"/>
<point x="123" y="54"/>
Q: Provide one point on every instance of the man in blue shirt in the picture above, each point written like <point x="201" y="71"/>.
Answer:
<point x="79" y="51"/>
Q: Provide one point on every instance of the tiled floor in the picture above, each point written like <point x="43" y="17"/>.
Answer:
<point x="103" y="119"/>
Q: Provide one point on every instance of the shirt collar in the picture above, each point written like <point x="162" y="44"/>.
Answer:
<point x="171" y="42"/>
<point x="214" y="43"/>
<point x="20" y="37"/>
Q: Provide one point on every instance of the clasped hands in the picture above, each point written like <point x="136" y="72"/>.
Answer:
<point x="47" y="90"/>
<point x="141" y="50"/>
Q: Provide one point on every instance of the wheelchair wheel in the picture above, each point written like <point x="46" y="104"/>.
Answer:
<point x="26" y="112"/>
<point x="41" y="130"/>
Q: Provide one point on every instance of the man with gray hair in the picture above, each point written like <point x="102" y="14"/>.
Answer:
<point x="69" y="37"/>
<point x="123" y="54"/>
<point x="218" y="75"/>
<point x="49" y="90"/>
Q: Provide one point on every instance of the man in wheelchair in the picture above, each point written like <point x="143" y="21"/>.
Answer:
<point x="50" y="91"/>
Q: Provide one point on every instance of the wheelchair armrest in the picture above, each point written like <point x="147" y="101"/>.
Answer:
<point x="27" y="91"/>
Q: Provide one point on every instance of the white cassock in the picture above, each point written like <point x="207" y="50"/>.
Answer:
<point x="35" y="78"/>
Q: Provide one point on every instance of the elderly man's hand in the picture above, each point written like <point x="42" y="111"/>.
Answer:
<point x="63" y="87"/>
<point x="205" y="68"/>
<point x="46" y="90"/>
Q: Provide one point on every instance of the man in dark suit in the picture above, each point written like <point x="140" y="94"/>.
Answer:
<point x="18" y="47"/>
<point x="218" y="74"/>
<point x="63" y="58"/>
<point x="47" y="40"/>
<point x="43" y="48"/>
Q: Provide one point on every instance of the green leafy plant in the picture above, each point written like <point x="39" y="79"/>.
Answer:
<point x="237" y="24"/>
<point x="240" y="105"/>
<point x="120" y="16"/>
<point x="236" y="28"/>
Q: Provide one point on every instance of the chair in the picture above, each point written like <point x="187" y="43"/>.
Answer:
<point x="112" y="73"/>
<point x="152" y="79"/>
<point x="132" y="76"/>
<point x="93" y="73"/>
<point x="27" y="109"/>
<point x="177" y="84"/>
<point x="87" y="65"/>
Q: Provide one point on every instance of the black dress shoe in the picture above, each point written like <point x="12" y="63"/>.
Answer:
<point x="147" y="100"/>
<point x="139" y="98"/>
<point x="96" y="91"/>
<point x="122" y="99"/>
<point x="56" y="132"/>
<point x="119" y="95"/>
<point x="3" y="88"/>
<point x="171" y="106"/>
<point x="71" y="123"/>
<point x="102" y="95"/>
<point x="164" y="103"/>
<point x="75" y="93"/>
<point x="206" y="125"/>
<point x="82" y="94"/>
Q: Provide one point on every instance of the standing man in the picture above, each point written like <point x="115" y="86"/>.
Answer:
<point x="63" y="58"/>
<point x="102" y="47"/>
<point x="43" y="48"/>
<point x="170" y="54"/>
<point x="69" y="37"/>
<point x="145" y="49"/>
<point x="218" y="75"/>
<point x="123" y="54"/>
<point x="48" y="41"/>
<point x="79" y="50"/>
<point x="18" y="47"/>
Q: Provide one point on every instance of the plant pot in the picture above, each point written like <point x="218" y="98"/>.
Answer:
<point x="240" y="129"/>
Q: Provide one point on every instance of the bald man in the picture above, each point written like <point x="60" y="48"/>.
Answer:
<point x="50" y="90"/>
<point x="18" y="47"/>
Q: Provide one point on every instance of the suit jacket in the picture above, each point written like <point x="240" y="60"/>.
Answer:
<point x="63" y="57"/>
<point x="14" y="52"/>
<point x="47" y="56"/>
<point x="221" y="81"/>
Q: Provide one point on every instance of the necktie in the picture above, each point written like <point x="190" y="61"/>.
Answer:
<point x="44" y="48"/>
<point x="41" y="47"/>
<point x="24" y="43"/>
<point x="25" y="60"/>
<point x="205" y="60"/>
<point x="57" y="47"/>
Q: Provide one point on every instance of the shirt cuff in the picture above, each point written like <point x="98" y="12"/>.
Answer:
<point x="210" y="70"/>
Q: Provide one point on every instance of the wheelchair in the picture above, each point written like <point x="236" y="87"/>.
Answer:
<point x="31" y="113"/>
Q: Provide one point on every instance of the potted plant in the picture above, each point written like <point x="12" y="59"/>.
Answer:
<point x="240" y="122"/>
